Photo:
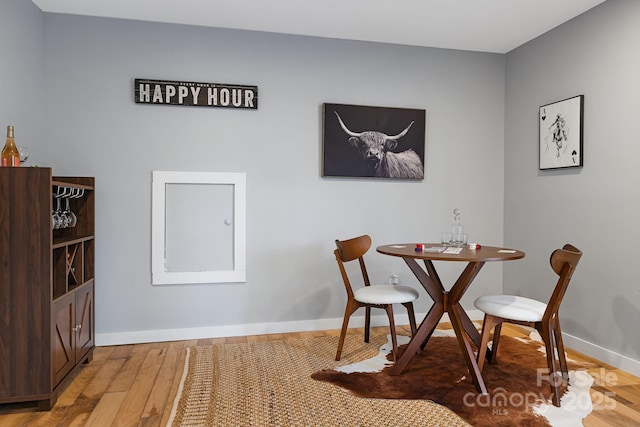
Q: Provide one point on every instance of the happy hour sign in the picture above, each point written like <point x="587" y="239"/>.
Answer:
<point x="164" y="92"/>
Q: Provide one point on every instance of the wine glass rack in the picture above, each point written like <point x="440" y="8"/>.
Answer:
<point x="73" y="247"/>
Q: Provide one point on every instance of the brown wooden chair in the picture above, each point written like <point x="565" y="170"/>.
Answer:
<point x="525" y="311"/>
<point x="368" y="296"/>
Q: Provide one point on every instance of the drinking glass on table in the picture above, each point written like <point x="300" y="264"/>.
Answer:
<point x="446" y="238"/>
<point x="459" y="239"/>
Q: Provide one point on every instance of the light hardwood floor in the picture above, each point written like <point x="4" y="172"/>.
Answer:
<point x="135" y="385"/>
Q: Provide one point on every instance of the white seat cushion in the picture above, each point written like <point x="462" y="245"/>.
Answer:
<point x="511" y="307"/>
<point x="385" y="294"/>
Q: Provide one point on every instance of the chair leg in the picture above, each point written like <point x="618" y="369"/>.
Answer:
<point x="412" y="317"/>
<point x="367" y="323"/>
<point x="546" y="332"/>
<point x="562" y="357"/>
<point x="392" y="327"/>
<point x="412" y="321"/>
<point x="351" y="308"/>
<point x="488" y="324"/>
<point x="496" y="341"/>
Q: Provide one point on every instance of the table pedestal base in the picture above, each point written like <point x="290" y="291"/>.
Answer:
<point x="445" y="302"/>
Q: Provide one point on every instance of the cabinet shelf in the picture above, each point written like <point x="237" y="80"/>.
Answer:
<point x="61" y="242"/>
<point x="70" y="182"/>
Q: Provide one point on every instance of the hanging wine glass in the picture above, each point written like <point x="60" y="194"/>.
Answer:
<point x="54" y="219"/>
<point x="72" y="218"/>
<point x="60" y="217"/>
<point x="57" y="219"/>
<point x="66" y="219"/>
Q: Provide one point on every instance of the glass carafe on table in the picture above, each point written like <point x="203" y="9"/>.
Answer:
<point x="458" y="235"/>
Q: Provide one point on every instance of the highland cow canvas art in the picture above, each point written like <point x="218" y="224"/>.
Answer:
<point x="373" y="142"/>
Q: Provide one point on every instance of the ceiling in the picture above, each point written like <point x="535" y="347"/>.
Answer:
<point x="477" y="25"/>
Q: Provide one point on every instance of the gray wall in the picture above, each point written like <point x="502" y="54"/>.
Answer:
<point x="596" y="207"/>
<point x="481" y="147"/>
<point x="21" y="72"/>
<point x="294" y="215"/>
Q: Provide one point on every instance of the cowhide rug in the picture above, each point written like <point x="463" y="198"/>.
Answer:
<point x="519" y="393"/>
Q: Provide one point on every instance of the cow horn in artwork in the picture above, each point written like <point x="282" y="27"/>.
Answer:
<point x="345" y="127"/>
<point x="401" y="134"/>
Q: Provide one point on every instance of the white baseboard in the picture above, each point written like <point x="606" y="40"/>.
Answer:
<point x="135" y="337"/>
<point x="602" y="354"/>
<point x="161" y="335"/>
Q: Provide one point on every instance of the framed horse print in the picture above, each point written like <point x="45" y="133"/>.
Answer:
<point x="561" y="134"/>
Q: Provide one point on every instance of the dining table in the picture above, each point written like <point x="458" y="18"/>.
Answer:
<point x="447" y="301"/>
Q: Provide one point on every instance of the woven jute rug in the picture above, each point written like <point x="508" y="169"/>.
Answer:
<point x="269" y="384"/>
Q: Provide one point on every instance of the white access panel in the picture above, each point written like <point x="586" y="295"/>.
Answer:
<point x="198" y="227"/>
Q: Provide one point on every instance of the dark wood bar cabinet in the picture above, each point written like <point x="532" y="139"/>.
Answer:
<point x="46" y="283"/>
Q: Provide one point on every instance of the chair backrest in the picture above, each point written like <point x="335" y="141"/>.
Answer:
<point x="563" y="262"/>
<point x="349" y="250"/>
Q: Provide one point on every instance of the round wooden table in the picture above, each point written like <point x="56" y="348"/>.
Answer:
<point x="447" y="301"/>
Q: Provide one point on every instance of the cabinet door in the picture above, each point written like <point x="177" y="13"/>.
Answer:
<point x="84" y="320"/>
<point x="64" y="357"/>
